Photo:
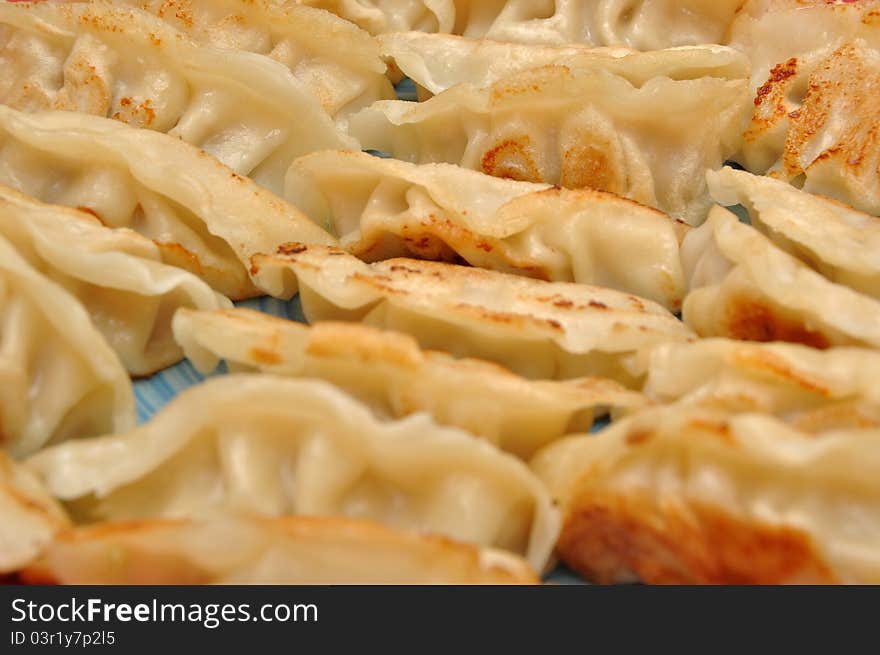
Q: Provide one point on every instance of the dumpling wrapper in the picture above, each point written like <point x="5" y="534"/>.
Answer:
<point x="437" y="62"/>
<point x="644" y="25"/>
<point x="59" y="378"/>
<point x="689" y="496"/>
<point x="247" y="110"/>
<point x="31" y="517"/>
<point x="338" y="62"/>
<point x="813" y="390"/>
<point x="203" y="216"/>
<point x="576" y="127"/>
<point x="745" y="287"/>
<point x="383" y="208"/>
<point x="395" y="378"/>
<point x="539" y="330"/>
<point x="261" y="551"/>
<point x="117" y="275"/>
<point x="276" y="446"/>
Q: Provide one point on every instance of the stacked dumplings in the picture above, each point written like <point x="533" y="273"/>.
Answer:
<point x="652" y="221"/>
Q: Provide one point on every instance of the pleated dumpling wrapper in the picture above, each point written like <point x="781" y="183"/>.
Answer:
<point x="59" y="378"/>
<point x="203" y="216"/>
<point x="577" y="126"/>
<point x="645" y="24"/>
<point x="264" y="551"/>
<point x="247" y="110"/>
<point x="683" y="496"/>
<point x="276" y="446"/>
<point x="384" y="208"/>
<point x="814" y="390"/>
<point x="542" y="330"/>
<point x="395" y="378"/>
<point x="117" y="275"/>
<point x="31" y="517"/>
<point x="745" y="287"/>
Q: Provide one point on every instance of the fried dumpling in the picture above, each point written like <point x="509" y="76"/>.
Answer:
<point x="576" y="127"/>
<point x="645" y="24"/>
<point x="245" y="109"/>
<point x="338" y="62"/>
<point x="261" y="551"/>
<point x="537" y="329"/>
<point x="437" y="62"/>
<point x="383" y="208"/>
<point x="743" y="286"/>
<point x="117" y="275"/>
<point x="814" y="390"/>
<point x="31" y="517"/>
<point x="59" y="378"/>
<point x="688" y="496"/>
<point x="839" y="242"/>
<point x="204" y="217"/>
<point x="395" y="378"/>
<point x="276" y="446"/>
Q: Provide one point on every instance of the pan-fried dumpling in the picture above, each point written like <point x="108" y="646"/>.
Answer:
<point x="437" y="62"/>
<point x="288" y="550"/>
<point x="204" y="217"/>
<point x="31" y="517"/>
<point x="575" y="127"/>
<point x="339" y="63"/>
<point x="117" y="275"/>
<point x="816" y="67"/>
<point x="644" y="24"/>
<point x="839" y="242"/>
<point x="814" y="390"/>
<point x="537" y="329"/>
<point x="384" y="208"/>
<point x="395" y="378"/>
<point x="692" y="496"/>
<point x="59" y="379"/>
<point x="277" y="446"/>
<point x="745" y="287"/>
<point x="245" y="109"/>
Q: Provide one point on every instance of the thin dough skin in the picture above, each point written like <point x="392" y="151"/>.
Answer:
<point x="277" y="446"/>
<point x="689" y="496"/>
<point x="540" y="330"/>
<point x="260" y="551"/>
<point x="59" y="378"/>
<point x="247" y="110"/>
<point x="390" y="373"/>
<point x="577" y="127"/>
<point x="383" y="208"/>
<point x="117" y="275"/>
<point x="203" y="216"/>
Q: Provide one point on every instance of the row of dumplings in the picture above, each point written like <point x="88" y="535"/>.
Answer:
<point x="511" y="276"/>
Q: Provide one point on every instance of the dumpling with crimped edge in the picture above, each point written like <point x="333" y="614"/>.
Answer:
<point x="263" y="551"/>
<point x="537" y="329"/>
<point x="813" y="390"/>
<point x="31" y="517"/>
<point x="245" y="109"/>
<point x="645" y="24"/>
<point x="276" y="446"/>
<point x="686" y="495"/>
<point x="59" y="378"/>
<point x="383" y="208"/>
<point x="203" y="216"/>
<point x="395" y="378"/>
<point x="437" y="62"/>
<point x="577" y="127"/>
<point x="744" y="287"/>
<point x="117" y="275"/>
<point x="841" y="243"/>
<point x="339" y="63"/>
